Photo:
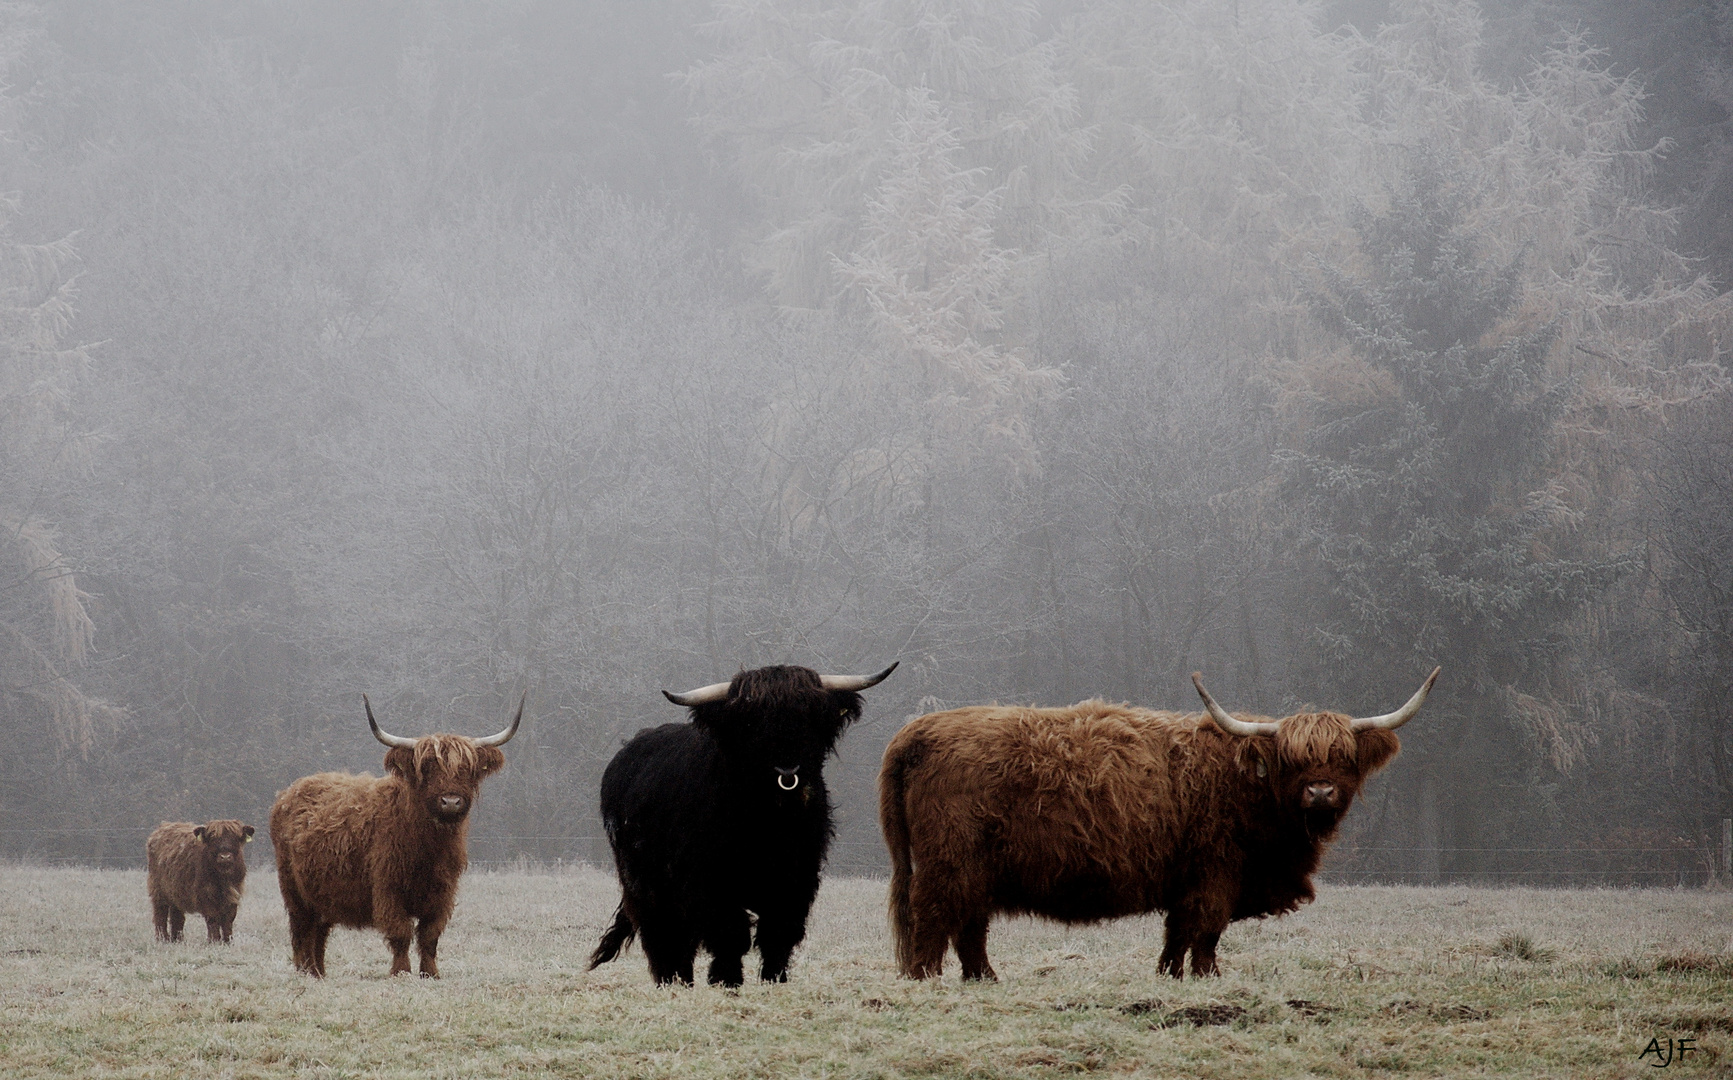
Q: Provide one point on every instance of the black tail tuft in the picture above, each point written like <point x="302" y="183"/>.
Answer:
<point x="618" y="937"/>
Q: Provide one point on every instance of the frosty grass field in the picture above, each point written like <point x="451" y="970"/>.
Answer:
<point x="1368" y="981"/>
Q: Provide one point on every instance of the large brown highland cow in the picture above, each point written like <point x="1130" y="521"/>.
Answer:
<point x="1097" y="810"/>
<point x="200" y="869"/>
<point x="384" y="852"/>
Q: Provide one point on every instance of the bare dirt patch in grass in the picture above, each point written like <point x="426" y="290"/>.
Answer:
<point x="1405" y="979"/>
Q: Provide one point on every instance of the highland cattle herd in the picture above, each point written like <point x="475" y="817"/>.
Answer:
<point x="720" y="826"/>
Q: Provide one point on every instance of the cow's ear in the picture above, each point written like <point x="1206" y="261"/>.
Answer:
<point x="847" y="706"/>
<point x="246" y="834"/>
<point x="490" y="758"/>
<point x="1374" y="748"/>
<point x="714" y="718"/>
<point x="199" y="833"/>
<point x="401" y="760"/>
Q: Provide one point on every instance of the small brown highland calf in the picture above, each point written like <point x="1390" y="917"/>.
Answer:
<point x="196" y="868"/>
<point x="383" y="852"/>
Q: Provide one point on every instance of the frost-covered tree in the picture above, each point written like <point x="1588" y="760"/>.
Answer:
<point x="1430" y="517"/>
<point x="45" y="628"/>
<point x="46" y="631"/>
<point x="934" y="283"/>
<point x="912" y="157"/>
<point x="1229" y="134"/>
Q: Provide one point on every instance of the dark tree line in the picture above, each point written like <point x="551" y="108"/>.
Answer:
<point x="450" y="351"/>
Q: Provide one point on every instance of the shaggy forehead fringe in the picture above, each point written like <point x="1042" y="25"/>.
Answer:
<point x="227" y="827"/>
<point x="454" y="753"/>
<point x="779" y="693"/>
<point x="1313" y="738"/>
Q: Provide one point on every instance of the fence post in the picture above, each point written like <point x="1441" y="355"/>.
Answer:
<point x="1727" y="849"/>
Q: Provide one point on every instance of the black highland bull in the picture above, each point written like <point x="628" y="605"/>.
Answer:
<point x="725" y="818"/>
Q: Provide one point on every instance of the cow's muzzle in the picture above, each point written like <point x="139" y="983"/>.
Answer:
<point x="451" y="806"/>
<point x="1320" y="795"/>
<point x="787" y="779"/>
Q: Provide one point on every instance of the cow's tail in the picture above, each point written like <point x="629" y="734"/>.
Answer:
<point x="618" y="937"/>
<point x="893" y="819"/>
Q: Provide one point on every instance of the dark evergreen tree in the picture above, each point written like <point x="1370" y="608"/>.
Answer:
<point x="1425" y="507"/>
<point x="1690" y="511"/>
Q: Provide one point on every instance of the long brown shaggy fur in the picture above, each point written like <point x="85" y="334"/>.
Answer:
<point x="382" y="852"/>
<point x="1098" y="810"/>
<point x="200" y="869"/>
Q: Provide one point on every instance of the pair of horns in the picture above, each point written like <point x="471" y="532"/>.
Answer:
<point x="706" y="695"/>
<point x="397" y="740"/>
<point x="1389" y="721"/>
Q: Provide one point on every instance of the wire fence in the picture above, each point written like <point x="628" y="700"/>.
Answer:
<point x="1624" y="865"/>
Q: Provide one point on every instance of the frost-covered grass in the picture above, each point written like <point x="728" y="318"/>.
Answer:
<point x="1366" y="982"/>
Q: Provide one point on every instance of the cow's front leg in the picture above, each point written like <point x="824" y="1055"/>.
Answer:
<point x="427" y="942"/>
<point x="728" y="936"/>
<point x="428" y="947"/>
<point x="972" y="949"/>
<point x="1203" y="953"/>
<point x="1195" y="924"/>
<point x="1175" y="945"/>
<point x="397" y="926"/>
<point x="220" y="928"/>
<point x="779" y="931"/>
<point x="316" y="947"/>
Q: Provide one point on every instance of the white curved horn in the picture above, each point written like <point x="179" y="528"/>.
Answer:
<point x="856" y="682"/>
<point x="383" y="736"/>
<point x="704" y="695"/>
<point x="505" y="736"/>
<point x="1392" y="721"/>
<point x="1223" y="720"/>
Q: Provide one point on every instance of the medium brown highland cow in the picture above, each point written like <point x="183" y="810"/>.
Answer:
<point x="384" y="852"/>
<point x="200" y="869"/>
<point x="1095" y="811"/>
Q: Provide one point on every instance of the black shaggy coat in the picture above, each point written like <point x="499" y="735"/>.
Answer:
<point x="707" y="833"/>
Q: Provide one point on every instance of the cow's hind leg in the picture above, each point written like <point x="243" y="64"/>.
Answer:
<point x="972" y="949"/>
<point x="727" y="938"/>
<point x="306" y="941"/>
<point x="938" y="901"/>
<point x="159" y="910"/>
<point x="670" y="947"/>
